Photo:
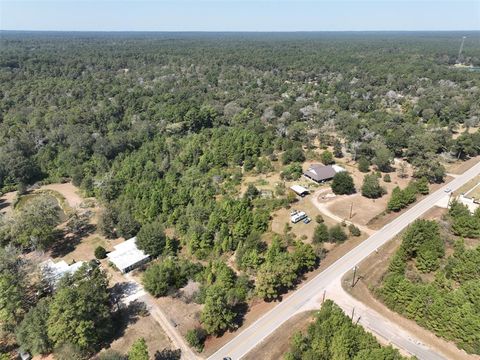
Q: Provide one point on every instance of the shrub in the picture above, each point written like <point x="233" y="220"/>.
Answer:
<point x="327" y="158"/>
<point x="354" y="231"/>
<point x="337" y="234"/>
<point x="100" y="252"/>
<point x="371" y="187"/>
<point x="387" y="178"/>
<point x="320" y="234"/>
<point x="319" y="219"/>
<point x="363" y="164"/>
<point x="196" y="338"/>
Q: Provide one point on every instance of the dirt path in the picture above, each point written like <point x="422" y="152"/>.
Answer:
<point x="323" y="208"/>
<point x="138" y="293"/>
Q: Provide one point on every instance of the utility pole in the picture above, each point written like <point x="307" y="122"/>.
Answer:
<point x="323" y="298"/>
<point x="351" y="210"/>
<point x="354" y="274"/>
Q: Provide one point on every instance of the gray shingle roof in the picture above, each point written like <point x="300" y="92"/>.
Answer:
<point x="318" y="172"/>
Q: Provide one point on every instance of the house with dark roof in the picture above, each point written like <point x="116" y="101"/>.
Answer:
<point x="321" y="173"/>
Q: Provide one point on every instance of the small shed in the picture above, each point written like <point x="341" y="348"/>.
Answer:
<point x="127" y="256"/>
<point x="299" y="190"/>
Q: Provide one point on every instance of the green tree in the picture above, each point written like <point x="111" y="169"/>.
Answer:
<point x="151" y="238"/>
<point x="100" y="252"/>
<point x="127" y="226"/>
<point x="342" y="183"/>
<point x="337" y="149"/>
<point x="383" y="158"/>
<point x="14" y="287"/>
<point x="327" y="158"/>
<point x="422" y="186"/>
<point x="217" y="315"/>
<point x="80" y="310"/>
<point x="32" y="332"/>
<point x="320" y="234"/>
<point x="138" y="350"/>
<point x="107" y="222"/>
<point x="371" y="187"/>
<point x="34" y="225"/>
<point x="397" y="200"/>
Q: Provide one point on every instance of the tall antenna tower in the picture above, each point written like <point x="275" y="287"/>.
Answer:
<point x="461" y="49"/>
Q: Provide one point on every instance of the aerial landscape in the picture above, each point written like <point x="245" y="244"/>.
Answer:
<point x="219" y="183"/>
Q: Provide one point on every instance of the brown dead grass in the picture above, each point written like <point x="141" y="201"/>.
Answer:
<point x="278" y="343"/>
<point x="147" y="328"/>
<point x="300" y="230"/>
<point x="364" y="209"/>
<point x="459" y="167"/>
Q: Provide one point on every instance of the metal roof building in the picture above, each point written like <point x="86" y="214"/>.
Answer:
<point x="127" y="256"/>
<point x="299" y="190"/>
<point x="53" y="272"/>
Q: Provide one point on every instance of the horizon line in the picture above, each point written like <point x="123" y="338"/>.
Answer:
<point x="240" y="31"/>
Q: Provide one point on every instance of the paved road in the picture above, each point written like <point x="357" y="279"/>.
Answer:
<point x="378" y="324"/>
<point x="269" y="322"/>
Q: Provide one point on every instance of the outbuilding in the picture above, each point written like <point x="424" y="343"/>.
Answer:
<point x="299" y="190"/>
<point x="127" y="256"/>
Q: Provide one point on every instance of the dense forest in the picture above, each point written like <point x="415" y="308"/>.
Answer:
<point x="439" y="292"/>
<point x="161" y="129"/>
<point x="334" y="336"/>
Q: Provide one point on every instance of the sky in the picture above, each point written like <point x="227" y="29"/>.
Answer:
<point x="238" y="15"/>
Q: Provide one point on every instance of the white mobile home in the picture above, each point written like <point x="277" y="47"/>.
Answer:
<point x="127" y="256"/>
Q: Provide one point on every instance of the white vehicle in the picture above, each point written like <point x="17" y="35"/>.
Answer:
<point x="447" y="190"/>
<point x="299" y="216"/>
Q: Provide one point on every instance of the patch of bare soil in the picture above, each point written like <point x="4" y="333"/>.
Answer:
<point x="300" y="229"/>
<point x="144" y="327"/>
<point x="6" y="202"/>
<point x="182" y="315"/>
<point x="357" y="208"/>
<point x="370" y="273"/>
<point x="69" y="191"/>
<point x="278" y="343"/>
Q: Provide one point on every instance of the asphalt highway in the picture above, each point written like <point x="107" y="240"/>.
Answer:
<point x="270" y="321"/>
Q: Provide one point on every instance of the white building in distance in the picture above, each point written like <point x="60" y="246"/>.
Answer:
<point x="127" y="256"/>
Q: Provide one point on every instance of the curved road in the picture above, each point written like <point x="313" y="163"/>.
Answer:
<point x="269" y="322"/>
